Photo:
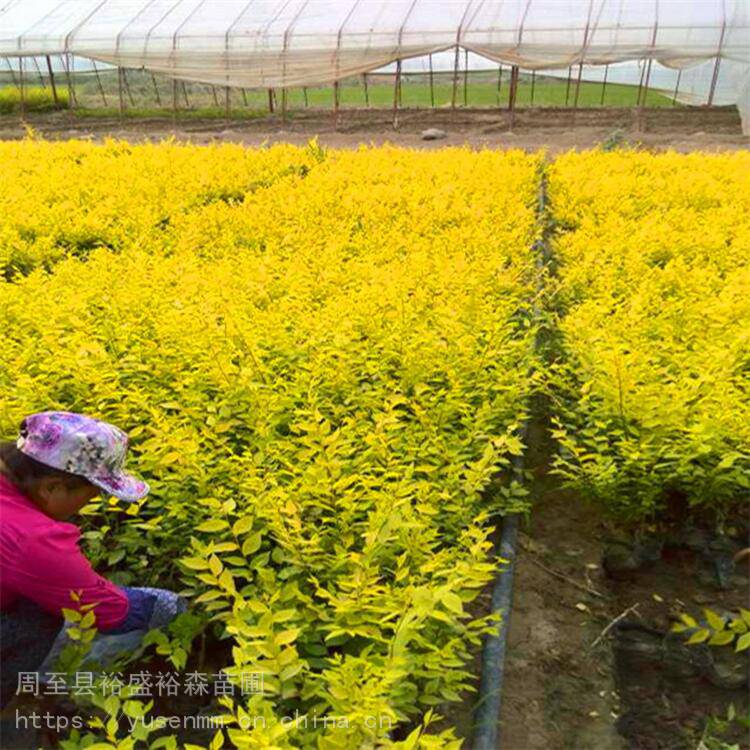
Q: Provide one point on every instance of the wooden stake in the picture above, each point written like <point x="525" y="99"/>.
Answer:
<point x="567" y="87"/>
<point x="533" y="81"/>
<point x="499" y="82"/>
<point x="304" y="94"/>
<point x="367" y="91"/>
<point x="270" y="100"/>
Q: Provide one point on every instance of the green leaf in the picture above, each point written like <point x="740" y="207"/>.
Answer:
<point x="215" y="564"/>
<point x="453" y="602"/>
<point x="194" y="563"/>
<point x="243" y="525"/>
<point x="215" y="524"/>
<point x="743" y="642"/>
<point x="722" y="638"/>
<point x="699" y="636"/>
<point x="286" y="636"/>
<point x="714" y="620"/>
<point x="252" y="544"/>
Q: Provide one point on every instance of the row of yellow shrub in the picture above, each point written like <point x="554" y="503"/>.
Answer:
<point x="652" y="396"/>
<point x="321" y="359"/>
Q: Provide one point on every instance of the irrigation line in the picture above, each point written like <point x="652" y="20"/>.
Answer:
<point x="487" y="714"/>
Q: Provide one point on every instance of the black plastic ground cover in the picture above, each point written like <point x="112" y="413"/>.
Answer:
<point x="486" y="735"/>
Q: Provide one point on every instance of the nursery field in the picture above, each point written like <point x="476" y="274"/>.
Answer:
<point x="324" y="360"/>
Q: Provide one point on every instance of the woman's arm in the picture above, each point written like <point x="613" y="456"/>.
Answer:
<point x="51" y="566"/>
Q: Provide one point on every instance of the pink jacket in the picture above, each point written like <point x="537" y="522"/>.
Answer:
<point x="40" y="560"/>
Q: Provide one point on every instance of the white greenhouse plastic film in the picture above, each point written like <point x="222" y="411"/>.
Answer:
<point x="278" y="43"/>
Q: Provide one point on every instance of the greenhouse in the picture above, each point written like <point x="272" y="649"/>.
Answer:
<point x="291" y="43"/>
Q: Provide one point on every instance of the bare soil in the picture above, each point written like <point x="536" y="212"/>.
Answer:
<point x="566" y="685"/>
<point x="554" y="129"/>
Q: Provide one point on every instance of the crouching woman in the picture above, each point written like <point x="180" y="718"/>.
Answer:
<point x="59" y="462"/>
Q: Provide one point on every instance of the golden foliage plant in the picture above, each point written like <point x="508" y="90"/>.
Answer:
<point x="321" y="359"/>
<point x="652" y="391"/>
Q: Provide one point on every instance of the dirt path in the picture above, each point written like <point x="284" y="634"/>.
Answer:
<point x="683" y="129"/>
<point x="559" y="692"/>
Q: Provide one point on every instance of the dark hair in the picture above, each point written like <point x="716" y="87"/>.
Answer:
<point x="26" y="472"/>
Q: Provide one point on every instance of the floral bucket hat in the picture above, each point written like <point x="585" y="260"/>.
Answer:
<point x="84" y="446"/>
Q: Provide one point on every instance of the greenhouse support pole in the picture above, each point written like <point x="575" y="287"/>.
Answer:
<point x="676" y="88"/>
<point x="466" y="78"/>
<point x="120" y="93"/>
<point x="604" y="84"/>
<point x="214" y="96"/>
<point x="512" y="94"/>
<point x="283" y="104"/>
<point x="396" y="93"/>
<point x="12" y="74"/>
<point x="67" y="62"/>
<point x="432" y="85"/>
<point x="244" y="96"/>
<point x="645" y="76"/>
<point x="584" y="47"/>
<point x="304" y="93"/>
<point x="533" y="82"/>
<point x="270" y="100"/>
<point x="397" y="100"/>
<point x="127" y="87"/>
<point x="22" y="88"/>
<point x="567" y="86"/>
<point x="185" y="95"/>
<point x="499" y="82"/>
<point x="367" y="92"/>
<point x="715" y="75"/>
<point x="227" y="104"/>
<point x="39" y="73"/>
<point x="455" y="79"/>
<point x="99" y="83"/>
<point x="336" y="105"/>
<point x="156" y="90"/>
<point x="174" y="101"/>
